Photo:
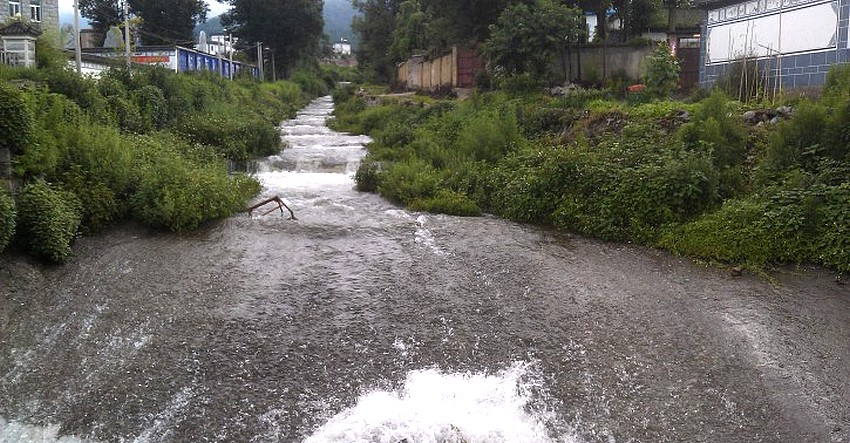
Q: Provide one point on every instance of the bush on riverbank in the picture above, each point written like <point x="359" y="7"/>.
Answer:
<point x="48" y="220"/>
<point x="691" y="178"/>
<point x="150" y="144"/>
<point x="8" y="216"/>
<point x="174" y="191"/>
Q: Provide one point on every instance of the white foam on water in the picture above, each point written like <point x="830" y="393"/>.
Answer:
<point x="285" y="180"/>
<point x="437" y="407"/>
<point x="161" y="428"/>
<point x="15" y="432"/>
<point x="425" y="237"/>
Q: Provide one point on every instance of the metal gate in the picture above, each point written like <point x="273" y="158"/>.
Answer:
<point x="689" y="63"/>
<point x="468" y="65"/>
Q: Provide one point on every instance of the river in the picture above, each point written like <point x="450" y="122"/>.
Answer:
<point x="363" y="322"/>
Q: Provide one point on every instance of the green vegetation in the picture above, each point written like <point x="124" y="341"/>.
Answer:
<point x="48" y="219"/>
<point x="690" y="178"/>
<point x="8" y="216"/>
<point x="151" y="145"/>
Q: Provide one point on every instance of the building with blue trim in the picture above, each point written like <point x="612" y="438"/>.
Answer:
<point x="793" y="42"/>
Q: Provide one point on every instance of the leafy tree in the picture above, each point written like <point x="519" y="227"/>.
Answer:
<point x="169" y="21"/>
<point x="600" y="9"/>
<point x="102" y="14"/>
<point x="636" y="15"/>
<point x="291" y="28"/>
<point x="466" y="21"/>
<point x="525" y="39"/>
<point x="162" y="21"/>
<point x="410" y="32"/>
<point x="662" y="71"/>
<point x="375" y="26"/>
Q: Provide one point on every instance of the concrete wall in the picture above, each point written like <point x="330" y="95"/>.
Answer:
<point x="417" y="73"/>
<point x="599" y="63"/>
<point x="793" y="41"/>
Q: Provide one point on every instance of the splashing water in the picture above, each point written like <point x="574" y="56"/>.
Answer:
<point x="436" y="407"/>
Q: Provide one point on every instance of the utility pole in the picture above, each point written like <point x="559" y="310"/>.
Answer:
<point x="260" y="60"/>
<point x="78" y="51"/>
<point x="127" y="32"/>
<point x="230" y="39"/>
<point x="274" y="68"/>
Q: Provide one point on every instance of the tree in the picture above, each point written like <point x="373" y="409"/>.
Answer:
<point x="466" y="21"/>
<point x="636" y="15"/>
<point x="526" y="39"/>
<point x="162" y="21"/>
<point x="102" y="14"/>
<point x="662" y="72"/>
<point x="290" y="28"/>
<point x="410" y="32"/>
<point x="169" y="21"/>
<point x="375" y="26"/>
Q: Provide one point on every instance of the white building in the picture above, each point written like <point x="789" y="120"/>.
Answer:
<point x="343" y="47"/>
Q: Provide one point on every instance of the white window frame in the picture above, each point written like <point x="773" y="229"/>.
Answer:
<point x="14" y="7"/>
<point x="35" y="11"/>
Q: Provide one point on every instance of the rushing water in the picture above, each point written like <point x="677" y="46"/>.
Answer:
<point x="363" y="322"/>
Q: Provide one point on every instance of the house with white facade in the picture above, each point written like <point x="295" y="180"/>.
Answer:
<point x="794" y="42"/>
<point x="21" y="22"/>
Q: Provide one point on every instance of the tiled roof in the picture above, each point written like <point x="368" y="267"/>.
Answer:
<point x="711" y="4"/>
<point x="21" y="28"/>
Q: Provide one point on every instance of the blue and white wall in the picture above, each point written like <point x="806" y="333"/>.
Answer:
<point x="794" y="40"/>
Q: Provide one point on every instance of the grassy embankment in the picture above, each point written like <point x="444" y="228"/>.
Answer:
<point x="151" y="145"/>
<point x="691" y="178"/>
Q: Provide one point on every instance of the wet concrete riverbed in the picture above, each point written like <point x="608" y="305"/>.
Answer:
<point x="362" y="322"/>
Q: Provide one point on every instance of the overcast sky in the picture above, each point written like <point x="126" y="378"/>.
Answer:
<point x="216" y="8"/>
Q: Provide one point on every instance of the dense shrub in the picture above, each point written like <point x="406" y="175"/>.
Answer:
<point x="404" y="182"/>
<point x="100" y="204"/>
<point x="179" y="194"/>
<point x="235" y="137"/>
<point x="8" y="216"/>
<point x="687" y="177"/>
<point x="48" y="219"/>
<point x="309" y="83"/>
<point x="661" y="72"/>
<point x="153" y="106"/>
<point x="446" y="201"/>
<point x="367" y="177"/>
<point x="17" y="126"/>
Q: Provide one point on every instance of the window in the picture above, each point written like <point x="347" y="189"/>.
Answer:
<point x="35" y="10"/>
<point x="14" y="8"/>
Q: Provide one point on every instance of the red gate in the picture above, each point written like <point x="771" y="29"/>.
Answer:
<point x="468" y="65"/>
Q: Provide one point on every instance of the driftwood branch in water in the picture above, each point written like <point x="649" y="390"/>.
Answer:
<point x="280" y="205"/>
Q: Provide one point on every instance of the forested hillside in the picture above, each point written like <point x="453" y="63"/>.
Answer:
<point x="338" y="15"/>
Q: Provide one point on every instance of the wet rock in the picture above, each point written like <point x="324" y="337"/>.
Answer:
<point x="563" y="90"/>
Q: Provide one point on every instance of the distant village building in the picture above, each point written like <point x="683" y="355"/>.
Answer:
<point x="343" y="47"/>
<point x="17" y="43"/>
<point x="793" y="42"/>
<point x="43" y="12"/>
<point x="21" y="22"/>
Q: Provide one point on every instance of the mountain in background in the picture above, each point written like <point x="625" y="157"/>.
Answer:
<point x="212" y="27"/>
<point x="338" y="15"/>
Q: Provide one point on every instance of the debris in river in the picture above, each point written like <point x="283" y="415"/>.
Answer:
<point x="280" y="205"/>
